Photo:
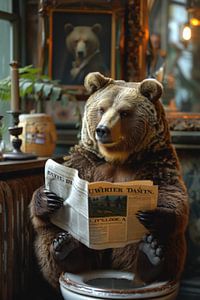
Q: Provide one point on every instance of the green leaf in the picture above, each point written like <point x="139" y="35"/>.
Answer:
<point x="38" y="86"/>
<point x="29" y="70"/>
<point x="56" y="93"/>
<point x="47" y="90"/>
<point x="5" y="89"/>
<point x="26" y="87"/>
<point x="5" y="95"/>
<point x="44" y="78"/>
<point x="32" y="82"/>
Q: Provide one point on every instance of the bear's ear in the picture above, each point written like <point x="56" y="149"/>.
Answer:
<point x="68" y="28"/>
<point x="95" y="80"/>
<point x="151" y="88"/>
<point x="97" y="28"/>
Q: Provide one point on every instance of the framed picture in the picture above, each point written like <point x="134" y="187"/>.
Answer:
<point x="81" y="41"/>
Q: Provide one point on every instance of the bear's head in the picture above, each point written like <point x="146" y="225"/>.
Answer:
<point x="123" y="118"/>
<point x="82" y="41"/>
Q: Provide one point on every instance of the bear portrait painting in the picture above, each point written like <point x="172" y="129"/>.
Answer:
<point x="125" y="137"/>
<point x="81" y="43"/>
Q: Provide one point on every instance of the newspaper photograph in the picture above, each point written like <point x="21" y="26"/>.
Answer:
<point x="99" y="214"/>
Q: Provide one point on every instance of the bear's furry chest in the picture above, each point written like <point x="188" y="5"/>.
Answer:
<point x="113" y="173"/>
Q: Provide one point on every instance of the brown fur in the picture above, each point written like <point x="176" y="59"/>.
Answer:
<point x="139" y="148"/>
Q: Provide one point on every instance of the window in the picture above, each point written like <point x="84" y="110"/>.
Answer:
<point x="179" y="60"/>
<point x="8" y="50"/>
<point x="178" y="57"/>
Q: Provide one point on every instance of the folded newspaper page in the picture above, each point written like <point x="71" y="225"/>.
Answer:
<point x="100" y="214"/>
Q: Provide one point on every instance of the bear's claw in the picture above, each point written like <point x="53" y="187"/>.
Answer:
<point x="147" y="219"/>
<point x="63" y="244"/>
<point x="54" y="202"/>
<point x="162" y="222"/>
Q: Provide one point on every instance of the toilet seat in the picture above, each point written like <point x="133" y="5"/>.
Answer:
<point x="87" y="284"/>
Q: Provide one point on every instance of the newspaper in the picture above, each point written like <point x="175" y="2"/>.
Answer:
<point x="100" y="214"/>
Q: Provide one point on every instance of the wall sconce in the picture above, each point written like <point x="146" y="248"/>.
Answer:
<point x="192" y="30"/>
<point x="194" y="22"/>
<point x="186" y="33"/>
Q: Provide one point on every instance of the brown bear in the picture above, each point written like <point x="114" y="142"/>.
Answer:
<point x="124" y="137"/>
<point x="84" y="44"/>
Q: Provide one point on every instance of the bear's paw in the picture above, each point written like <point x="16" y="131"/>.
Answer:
<point x="63" y="244"/>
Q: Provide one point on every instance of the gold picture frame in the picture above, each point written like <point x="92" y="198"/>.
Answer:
<point x="62" y="61"/>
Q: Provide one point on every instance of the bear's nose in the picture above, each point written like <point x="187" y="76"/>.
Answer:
<point x="103" y="133"/>
<point x="80" y="54"/>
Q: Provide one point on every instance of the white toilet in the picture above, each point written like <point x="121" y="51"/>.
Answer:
<point x="112" y="284"/>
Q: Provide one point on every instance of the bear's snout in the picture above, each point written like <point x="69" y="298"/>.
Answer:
<point x="103" y="134"/>
<point x="81" y="50"/>
<point x="80" y="54"/>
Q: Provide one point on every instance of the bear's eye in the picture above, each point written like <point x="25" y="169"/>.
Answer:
<point x="101" y="111"/>
<point x="124" y="113"/>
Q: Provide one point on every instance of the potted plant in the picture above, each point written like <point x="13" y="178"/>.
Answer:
<point x="33" y="87"/>
<point x="34" y="90"/>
